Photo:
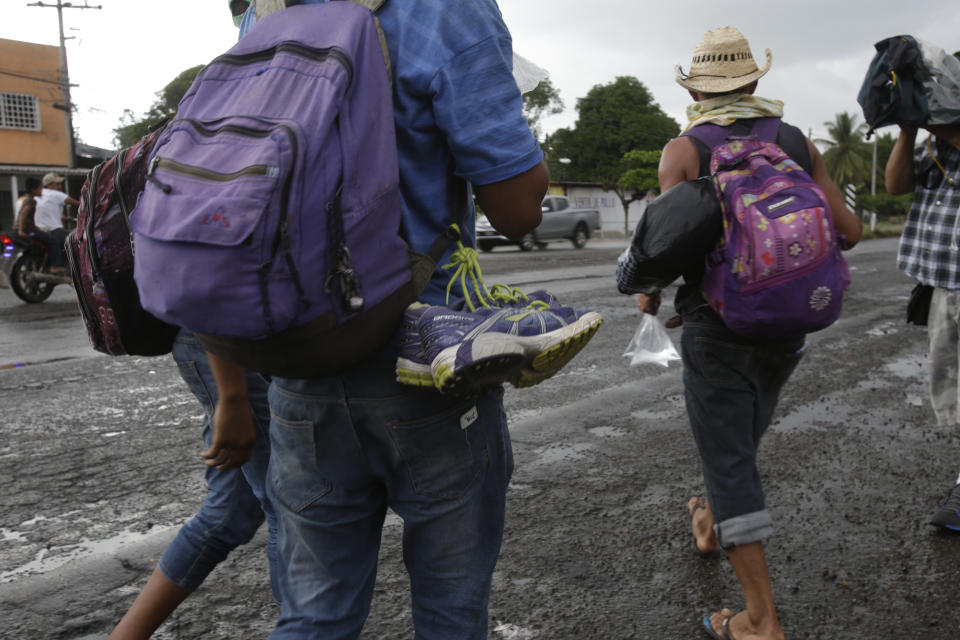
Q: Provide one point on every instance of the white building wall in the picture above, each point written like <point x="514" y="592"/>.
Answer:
<point x="607" y="202"/>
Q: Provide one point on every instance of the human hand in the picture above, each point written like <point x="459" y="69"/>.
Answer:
<point x="234" y="435"/>
<point x="908" y="128"/>
<point x="950" y="132"/>
<point x="649" y="303"/>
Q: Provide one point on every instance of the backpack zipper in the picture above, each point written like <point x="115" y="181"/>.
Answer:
<point x="88" y="315"/>
<point x="173" y="166"/>
<point x="91" y="200"/>
<point x="304" y="51"/>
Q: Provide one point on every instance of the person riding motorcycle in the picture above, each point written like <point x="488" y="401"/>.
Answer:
<point x="26" y="227"/>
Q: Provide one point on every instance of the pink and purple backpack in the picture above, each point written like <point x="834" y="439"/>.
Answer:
<point x="778" y="269"/>
<point x="100" y="254"/>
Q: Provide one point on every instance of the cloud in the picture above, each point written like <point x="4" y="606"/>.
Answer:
<point x="125" y="53"/>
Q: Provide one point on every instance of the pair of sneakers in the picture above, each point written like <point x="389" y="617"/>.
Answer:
<point x="503" y="336"/>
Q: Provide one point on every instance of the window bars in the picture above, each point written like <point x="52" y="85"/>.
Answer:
<point x="19" y="111"/>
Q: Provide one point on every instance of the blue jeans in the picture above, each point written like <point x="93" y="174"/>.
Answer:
<point x="731" y="387"/>
<point x="235" y="505"/>
<point x="53" y="240"/>
<point x="345" y="448"/>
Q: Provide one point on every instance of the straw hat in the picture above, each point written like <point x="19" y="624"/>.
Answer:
<point x="721" y="63"/>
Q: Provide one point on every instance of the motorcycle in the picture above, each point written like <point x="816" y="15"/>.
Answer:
<point x="24" y="267"/>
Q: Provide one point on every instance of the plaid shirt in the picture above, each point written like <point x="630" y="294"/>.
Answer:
<point x="929" y="248"/>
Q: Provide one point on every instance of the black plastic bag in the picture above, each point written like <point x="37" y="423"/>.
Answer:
<point x="918" y="307"/>
<point x="910" y="81"/>
<point x="675" y="233"/>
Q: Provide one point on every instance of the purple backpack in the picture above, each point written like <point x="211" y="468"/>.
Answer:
<point x="270" y="221"/>
<point x="778" y="269"/>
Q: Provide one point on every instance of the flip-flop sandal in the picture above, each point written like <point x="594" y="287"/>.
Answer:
<point x="703" y="554"/>
<point x="724" y="627"/>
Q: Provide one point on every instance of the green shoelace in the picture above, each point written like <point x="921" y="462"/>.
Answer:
<point x="465" y="261"/>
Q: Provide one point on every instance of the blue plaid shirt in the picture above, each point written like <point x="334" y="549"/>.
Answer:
<point x="930" y="244"/>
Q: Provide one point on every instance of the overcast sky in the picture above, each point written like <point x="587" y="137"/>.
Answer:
<point x="121" y="55"/>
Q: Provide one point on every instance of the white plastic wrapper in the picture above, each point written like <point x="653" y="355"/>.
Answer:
<point x="266" y="7"/>
<point x="651" y="343"/>
<point x="527" y="74"/>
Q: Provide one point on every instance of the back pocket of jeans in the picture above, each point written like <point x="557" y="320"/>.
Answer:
<point x="295" y="476"/>
<point x="445" y="453"/>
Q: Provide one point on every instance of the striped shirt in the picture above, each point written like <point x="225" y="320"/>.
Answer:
<point x="929" y="249"/>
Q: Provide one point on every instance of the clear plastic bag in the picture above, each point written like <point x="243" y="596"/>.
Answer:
<point x="651" y="343"/>
<point x="527" y="74"/>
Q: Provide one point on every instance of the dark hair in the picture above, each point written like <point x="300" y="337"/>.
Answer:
<point x="32" y="183"/>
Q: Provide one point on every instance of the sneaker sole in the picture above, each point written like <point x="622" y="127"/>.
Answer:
<point x="414" y="373"/>
<point x="493" y="362"/>
<point x="555" y="358"/>
<point x="523" y="361"/>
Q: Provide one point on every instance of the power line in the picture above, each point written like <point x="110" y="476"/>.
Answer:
<point x="65" y="79"/>
<point x="14" y="74"/>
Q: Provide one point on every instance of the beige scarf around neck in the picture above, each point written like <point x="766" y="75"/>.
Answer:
<point x="724" y="110"/>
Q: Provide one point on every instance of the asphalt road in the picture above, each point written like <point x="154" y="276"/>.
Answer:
<point x="99" y="464"/>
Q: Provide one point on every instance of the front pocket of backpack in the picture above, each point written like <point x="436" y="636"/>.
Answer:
<point x="216" y="185"/>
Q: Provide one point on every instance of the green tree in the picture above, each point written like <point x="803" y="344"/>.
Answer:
<point x="638" y="177"/>
<point x="882" y="203"/>
<point x="543" y="101"/>
<point x="612" y="120"/>
<point x="848" y="156"/>
<point x="131" y="128"/>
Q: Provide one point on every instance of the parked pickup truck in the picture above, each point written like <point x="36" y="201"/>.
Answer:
<point x="560" y="222"/>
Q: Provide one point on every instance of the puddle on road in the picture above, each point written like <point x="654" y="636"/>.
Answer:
<point x="883" y="329"/>
<point x="837" y="408"/>
<point x="44" y="562"/>
<point x="506" y="631"/>
<point x="15" y="536"/>
<point x="607" y="432"/>
<point x="559" y="452"/>
<point x="913" y="367"/>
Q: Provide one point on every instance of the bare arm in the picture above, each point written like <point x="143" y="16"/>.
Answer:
<point x="513" y="205"/>
<point x="845" y="221"/>
<point x="233" y="431"/>
<point x="679" y="161"/>
<point x="899" y="171"/>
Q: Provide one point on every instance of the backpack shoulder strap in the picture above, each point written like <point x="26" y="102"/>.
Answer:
<point x="374" y="6"/>
<point x="712" y="135"/>
<point x="766" y="129"/>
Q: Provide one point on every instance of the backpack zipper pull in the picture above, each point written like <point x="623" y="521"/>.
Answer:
<point x="163" y="186"/>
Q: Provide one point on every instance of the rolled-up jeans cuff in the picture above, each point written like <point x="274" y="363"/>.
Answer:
<point x="745" y="529"/>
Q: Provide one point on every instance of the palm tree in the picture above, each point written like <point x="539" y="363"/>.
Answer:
<point x="848" y="155"/>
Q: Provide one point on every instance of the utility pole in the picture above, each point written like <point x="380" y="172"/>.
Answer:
<point x="65" y="75"/>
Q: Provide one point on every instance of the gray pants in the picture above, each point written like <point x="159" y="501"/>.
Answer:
<point x="943" y="327"/>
